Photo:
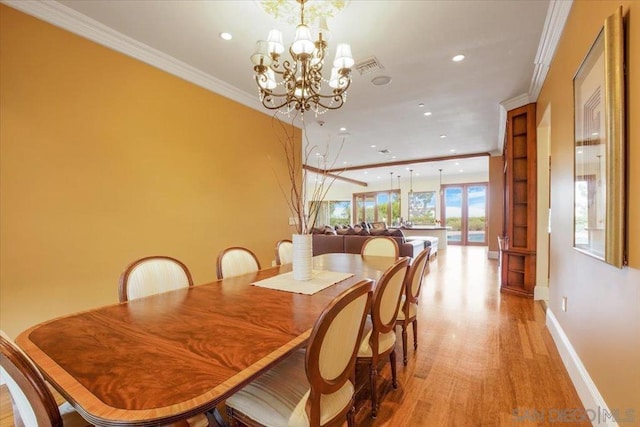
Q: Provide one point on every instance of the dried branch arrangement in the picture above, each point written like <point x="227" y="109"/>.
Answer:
<point x="301" y="192"/>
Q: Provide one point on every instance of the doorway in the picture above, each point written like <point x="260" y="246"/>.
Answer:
<point x="464" y="212"/>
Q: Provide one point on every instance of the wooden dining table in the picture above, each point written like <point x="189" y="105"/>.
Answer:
<point x="170" y="356"/>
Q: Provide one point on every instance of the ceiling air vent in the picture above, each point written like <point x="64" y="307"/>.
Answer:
<point x="385" y="151"/>
<point x="368" y="65"/>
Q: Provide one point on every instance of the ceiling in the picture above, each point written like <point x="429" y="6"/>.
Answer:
<point x="414" y="41"/>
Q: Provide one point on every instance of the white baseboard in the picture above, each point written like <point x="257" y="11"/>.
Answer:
<point x="541" y="293"/>
<point x="597" y="410"/>
<point x="493" y="254"/>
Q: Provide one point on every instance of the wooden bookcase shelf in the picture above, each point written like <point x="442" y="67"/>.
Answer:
<point x="518" y="244"/>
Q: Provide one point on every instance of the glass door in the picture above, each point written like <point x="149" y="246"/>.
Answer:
<point x="464" y="212"/>
<point x="476" y="214"/>
<point x="452" y="213"/>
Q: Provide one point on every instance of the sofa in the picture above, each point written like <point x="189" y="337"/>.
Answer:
<point x="352" y="244"/>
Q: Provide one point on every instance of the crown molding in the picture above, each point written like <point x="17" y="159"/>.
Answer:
<point x="505" y="106"/>
<point x="516" y="102"/>
<point x="557" y="15"/>
<point x="64" y="17"/>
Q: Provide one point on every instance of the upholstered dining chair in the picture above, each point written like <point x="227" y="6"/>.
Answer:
<point x="380" y="338"/>
<point x="408" y="312"/>
<point x="314" y="387"/>
<point x="32" y="401"/>
<point x="152" y="275"/>
<point x="235" y="261"/>
<point x="381" y="246"/>
<point x="284" y="252"/>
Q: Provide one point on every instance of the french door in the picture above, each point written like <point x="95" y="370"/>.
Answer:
<point x="464" y="210"/>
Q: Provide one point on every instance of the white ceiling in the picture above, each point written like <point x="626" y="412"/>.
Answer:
<point x="414" y="41"/>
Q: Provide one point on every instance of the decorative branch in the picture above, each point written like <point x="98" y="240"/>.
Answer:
<point x="299" y="194"/>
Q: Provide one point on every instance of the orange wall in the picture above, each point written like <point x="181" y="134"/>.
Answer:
<point x="602" y="320"/>
<point x="105" y="159"/>
<point x="496" y="201"/>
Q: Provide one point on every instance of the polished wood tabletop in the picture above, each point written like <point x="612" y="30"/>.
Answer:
<point x="170" y="356"/>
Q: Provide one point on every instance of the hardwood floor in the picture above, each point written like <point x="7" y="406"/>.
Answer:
<point x="483" y="359"/>
<point x="482" y="356"/>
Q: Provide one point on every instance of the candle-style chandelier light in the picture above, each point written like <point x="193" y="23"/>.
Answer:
<point x="302" y="76"/>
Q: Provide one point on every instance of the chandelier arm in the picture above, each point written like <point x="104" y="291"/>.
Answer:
<point x="265" y="104"/>
<point x="334" y="95"/>
<point x="331" y="107"/>
<point x="268" y="96"/>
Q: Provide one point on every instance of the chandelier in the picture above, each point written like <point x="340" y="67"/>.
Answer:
<point x="301" y="77"/>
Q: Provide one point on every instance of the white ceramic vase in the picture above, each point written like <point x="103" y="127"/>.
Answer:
<point x="302" y="256"/>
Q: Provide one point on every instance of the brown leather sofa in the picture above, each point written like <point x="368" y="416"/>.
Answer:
<point x="352" y="244"/>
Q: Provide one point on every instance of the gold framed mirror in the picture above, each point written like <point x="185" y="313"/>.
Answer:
<point x="599" y="168"/>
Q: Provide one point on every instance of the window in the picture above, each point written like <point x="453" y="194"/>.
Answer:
<point x="334" y="212"/>
<point x="422" y="207"/>
<point x="382" y="206"/>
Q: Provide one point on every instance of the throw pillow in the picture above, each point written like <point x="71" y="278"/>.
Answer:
<point x="398" y="233"/>
<point x="379" y="232"/>
<point x="329" y="230"/>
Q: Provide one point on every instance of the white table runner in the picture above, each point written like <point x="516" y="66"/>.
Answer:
<point x="320" y="279"/>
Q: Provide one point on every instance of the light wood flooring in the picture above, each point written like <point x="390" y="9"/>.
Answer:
<point x="483" y="359"/>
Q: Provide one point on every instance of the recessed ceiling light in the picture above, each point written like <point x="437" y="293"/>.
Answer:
<point x="381" y="80"/>
<point x="344" y="163"/>
<point x="457" y="58"/>
<point x="342" y="129"/>
<point x="457" y="163"/>
<point x="226" y="36"/>
<point x="443" y="136"/>
<point x="373" y="146"/>
<point x="393" y="157"/>
<point x="453" y="150"/>
<point x="421" y="105"/>
<point x="461" y="170"/>
<point x="427" y="113"/>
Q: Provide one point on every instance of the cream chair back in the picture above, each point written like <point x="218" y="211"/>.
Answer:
<point x="342" y="336"/>
<point x="381" y="246"/>
<point x="331" y="354"/>
<point x="153" y="275"/>
<point x="284" y="252"/>
<point x="416" y="274"/>
<point x="386" y="299"/>
<point x="235" y="261"/>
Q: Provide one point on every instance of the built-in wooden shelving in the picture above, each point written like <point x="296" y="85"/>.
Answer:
<point x="518" y="244"/>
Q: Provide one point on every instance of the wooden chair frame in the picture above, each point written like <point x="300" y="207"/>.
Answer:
<point x="417" y="271"/>
<point x="318" y="384"/>
<point x="124" y="277"/>
<point x="379" y="327"/>
<point x="280" y="242"/>
<point x="229" y="249"/>
<point x="32" y="385"/>
<point x="372" y="239"/>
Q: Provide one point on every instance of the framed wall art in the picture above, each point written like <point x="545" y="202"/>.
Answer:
<point x="599" y="168"/>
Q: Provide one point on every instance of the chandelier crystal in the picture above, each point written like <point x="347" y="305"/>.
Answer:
<point x="301" y="77"/>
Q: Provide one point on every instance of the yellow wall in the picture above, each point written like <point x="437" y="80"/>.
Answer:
<point x="602" y="320"/>
<point x="105" y="159"/>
